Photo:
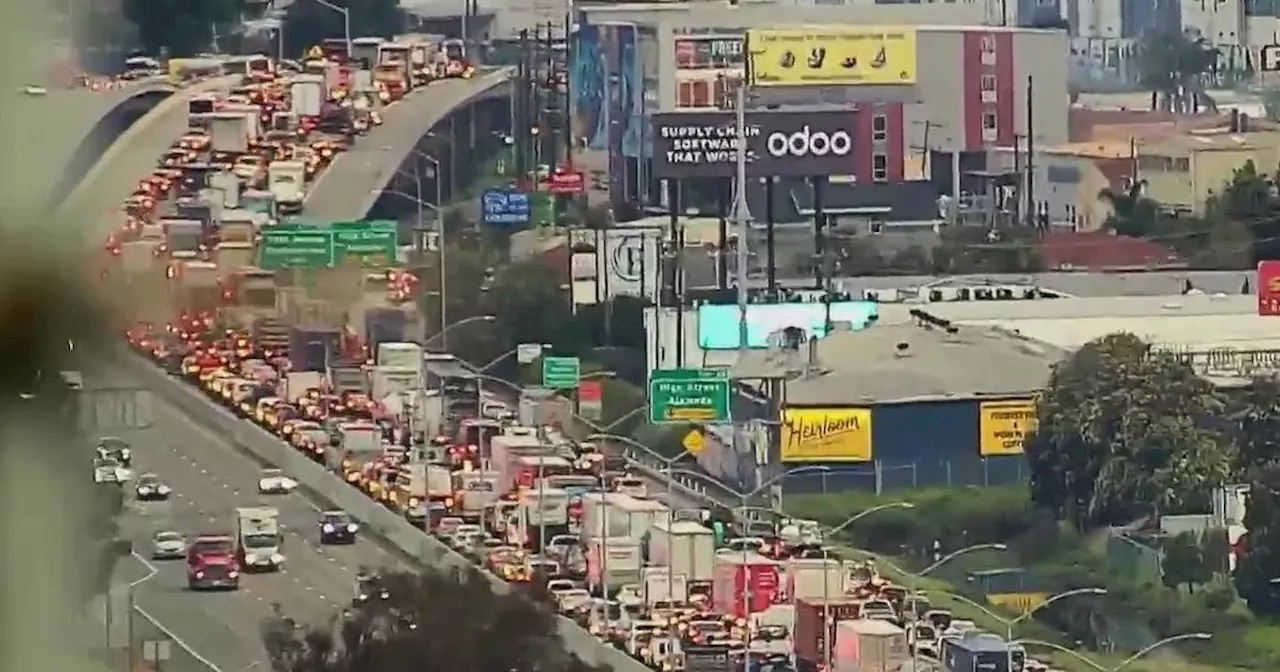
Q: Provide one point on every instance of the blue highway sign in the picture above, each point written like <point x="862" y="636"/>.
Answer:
<point x="505" y="206"/>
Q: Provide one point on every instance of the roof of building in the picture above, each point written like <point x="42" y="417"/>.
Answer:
<point x="1134" y="308"/>
<point x="1211" y="142"/>
<point x="1071" y="283"/>
<point x="905" y="362"/>
<point x="1094" y="149"/>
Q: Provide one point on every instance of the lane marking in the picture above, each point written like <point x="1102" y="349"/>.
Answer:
<point x="182" y="644"/>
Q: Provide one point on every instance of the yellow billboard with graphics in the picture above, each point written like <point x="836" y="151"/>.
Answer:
<point x="1004" y="425"/>
<point x="1018" y="603"/>
<point x="832" y="56"/>
<point x="826" y="435"/>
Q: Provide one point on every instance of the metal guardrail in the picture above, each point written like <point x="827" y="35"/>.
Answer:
<point x="321" y="484"/>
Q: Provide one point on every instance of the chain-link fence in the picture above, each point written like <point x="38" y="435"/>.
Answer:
<point x="1130" y="555"/>
<point x="884" y="475"/>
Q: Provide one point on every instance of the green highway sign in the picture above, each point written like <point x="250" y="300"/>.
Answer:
<point x="688" y="395"/>
<point x="303" y="245"/>
<point x="561" y="373"/>
<point x="374" y="243"/>
<point x="296" y="247"/>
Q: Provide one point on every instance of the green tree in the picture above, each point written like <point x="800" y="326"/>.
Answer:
<point x="1255" y="420"/>
<point x="1255" y="570"/>
<point x="1132" y="214"/>
<point x="1183" y="562"/>
<point x="180" y="28"/>
<point x="432" y="621"/>
<point x="1125" y="431"/>
<point x="308" y="23"/>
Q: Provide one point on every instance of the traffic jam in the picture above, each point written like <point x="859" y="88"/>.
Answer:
<point x="676" y="589"/>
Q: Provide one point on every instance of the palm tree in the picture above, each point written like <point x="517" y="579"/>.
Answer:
<point x="1132" y="213"/>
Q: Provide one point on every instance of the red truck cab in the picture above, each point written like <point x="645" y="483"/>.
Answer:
<point x="211" y="563"/>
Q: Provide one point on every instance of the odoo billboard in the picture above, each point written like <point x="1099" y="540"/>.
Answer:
<point x="780" y="144"/>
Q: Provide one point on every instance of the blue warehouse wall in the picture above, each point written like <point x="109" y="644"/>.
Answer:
<point x="932" y="444"/>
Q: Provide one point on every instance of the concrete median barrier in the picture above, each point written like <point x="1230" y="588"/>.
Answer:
<point x="327" y="487"/>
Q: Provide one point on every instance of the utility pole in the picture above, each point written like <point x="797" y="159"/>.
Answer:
<point x="1031" y="152"/>
<point x="520" y="109"/>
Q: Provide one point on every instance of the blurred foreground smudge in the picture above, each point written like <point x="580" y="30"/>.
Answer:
<point x="46" y="567"/>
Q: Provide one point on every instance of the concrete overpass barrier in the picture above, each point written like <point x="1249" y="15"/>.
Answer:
<point x="350" y="187"/>
<point x="326" y="486"/>
<point x="134" y="153"/>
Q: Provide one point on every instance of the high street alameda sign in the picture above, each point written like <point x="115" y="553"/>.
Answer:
<point x="779" y="143"/>
<point x="301" y="245"/>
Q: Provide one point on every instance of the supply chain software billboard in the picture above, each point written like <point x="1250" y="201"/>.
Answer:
<point x="779" y="144"/>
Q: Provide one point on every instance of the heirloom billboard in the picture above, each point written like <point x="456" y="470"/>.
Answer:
<point x="780" y="144"/>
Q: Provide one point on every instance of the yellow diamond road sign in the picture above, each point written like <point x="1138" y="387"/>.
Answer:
<point x="693" y="442"/>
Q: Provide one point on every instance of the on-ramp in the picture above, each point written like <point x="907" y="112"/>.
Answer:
<point x="348" y="189"/>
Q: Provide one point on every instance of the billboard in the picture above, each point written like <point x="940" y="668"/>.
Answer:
<point x="832" y="56"/>
<point x="613" y="262"/>
<point x="718" y="324"/>
<point x="825" y="435"/>
<point x="1269" y="288"/>
<point x="779" y="143"/>
<point x="1004" y="425"/>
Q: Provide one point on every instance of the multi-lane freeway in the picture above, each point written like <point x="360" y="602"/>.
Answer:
<point x="210" y="478"/>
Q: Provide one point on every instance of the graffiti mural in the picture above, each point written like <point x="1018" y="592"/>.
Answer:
<point x="608" y="90"/>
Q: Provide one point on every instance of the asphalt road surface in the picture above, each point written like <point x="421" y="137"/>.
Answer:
<point x="210" y="478"/>
<point x="350" y="186"/>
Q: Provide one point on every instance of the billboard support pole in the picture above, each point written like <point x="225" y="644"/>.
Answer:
<point x="673" y="205"/>
<point x="819" y="242"/>
<point x="770" y="242"/>
<point x="722" y="212"/>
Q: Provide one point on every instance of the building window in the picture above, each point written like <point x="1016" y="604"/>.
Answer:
<point x="988" y="82"/>
<point x="879" y="128"/>
<point x="988" y="121"/>
<point x="989" y="44"/>
<point x="694" y="93"/>
<point x="879" y="168"/>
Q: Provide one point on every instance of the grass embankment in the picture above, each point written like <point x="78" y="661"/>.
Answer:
<point x="834" y="509"/>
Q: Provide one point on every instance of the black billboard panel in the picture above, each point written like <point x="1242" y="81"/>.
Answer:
<point x="781" y="144"/>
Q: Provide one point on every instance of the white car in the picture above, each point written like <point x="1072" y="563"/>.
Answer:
<point x="110" y="471"/>
<point x="274" y="482"/>
<point x="168" y="545"/>
<point x="150" y="487"/>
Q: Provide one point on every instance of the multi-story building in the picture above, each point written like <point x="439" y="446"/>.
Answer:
<point x="1181" y="172"/>
<point x="1068" y="179"/>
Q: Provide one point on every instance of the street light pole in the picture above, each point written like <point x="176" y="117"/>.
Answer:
<point x="1011" y="623"/>
<point x="1124" y="663"/>
<point x="459" y="323"/>
<point x="863" y="514"/>
<point x="346" y="21"/>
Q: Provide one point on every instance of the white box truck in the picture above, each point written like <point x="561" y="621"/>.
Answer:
<point x="689" y="548"/>
<point x="287" y="182"/>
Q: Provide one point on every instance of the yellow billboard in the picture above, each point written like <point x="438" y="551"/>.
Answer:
<point x="832" y="56"/>
<point x="1018" y="603"/>
<point x="1004" y="425"/>
<point x="826" y="435"/>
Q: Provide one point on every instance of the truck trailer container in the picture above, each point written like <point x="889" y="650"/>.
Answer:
<point x="867" y="645"/>
<point x="814" y="578"/>
<point x="981" y="652"/>
<point x="811" y="639"/>
<point x="613" y="562"/>
<point x="744" y="584"/>
<point x="689" y="548"/>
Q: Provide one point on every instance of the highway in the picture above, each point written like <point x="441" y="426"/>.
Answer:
<point x="210" y="478"/>
<point x="349" y="188"/>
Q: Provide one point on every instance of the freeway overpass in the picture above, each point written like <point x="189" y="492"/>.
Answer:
<point x="119" y="137"/>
